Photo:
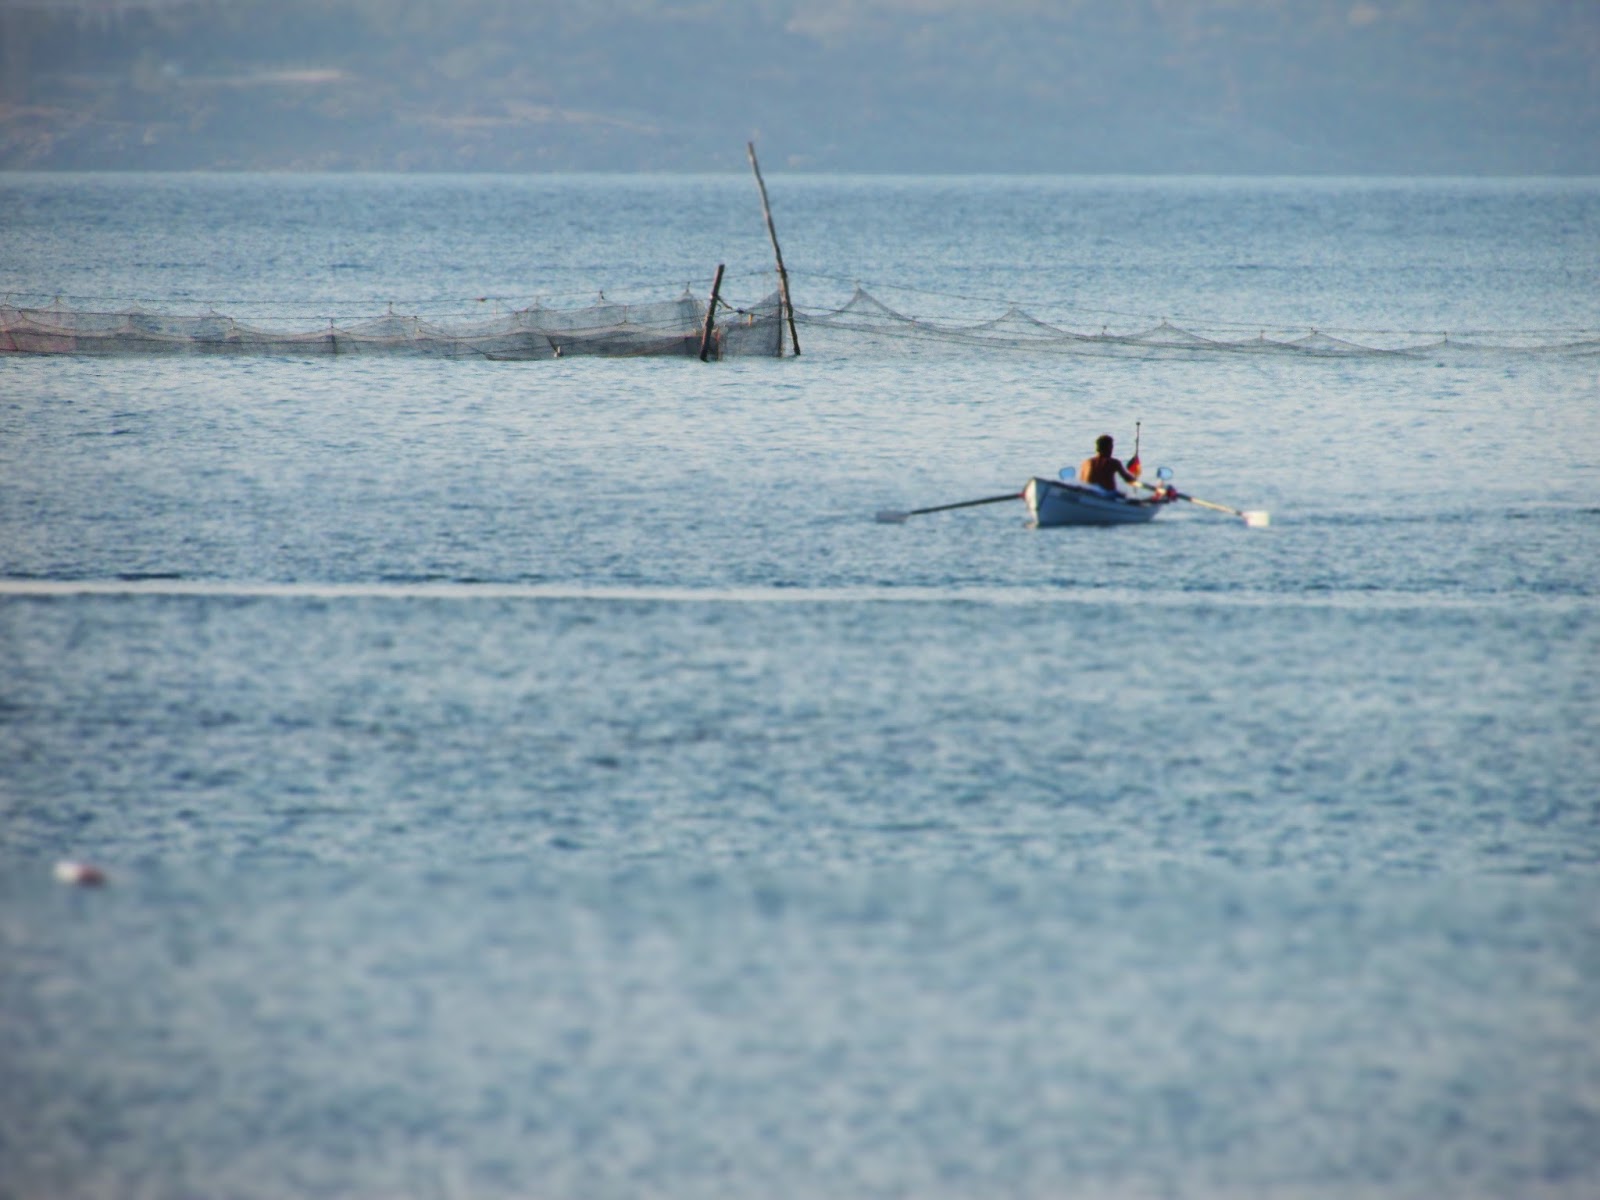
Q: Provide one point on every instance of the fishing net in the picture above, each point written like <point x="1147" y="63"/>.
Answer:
<point x="860" y="326"/>
<point x="864" y="320"/>
<point x="607" y="329"/>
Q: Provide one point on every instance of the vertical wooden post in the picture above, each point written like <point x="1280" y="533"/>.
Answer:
<point x="710" y="326"/>
<point x="783" y="276"/>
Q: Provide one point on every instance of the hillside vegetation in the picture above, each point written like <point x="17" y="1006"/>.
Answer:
<point x="1291" y="86"/>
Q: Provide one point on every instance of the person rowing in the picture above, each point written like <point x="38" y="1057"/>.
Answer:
<point x="1102" y="469"/>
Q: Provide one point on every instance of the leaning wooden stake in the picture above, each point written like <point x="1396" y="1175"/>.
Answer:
<point x="710" y="326"/>
<point x="783" y="276"/>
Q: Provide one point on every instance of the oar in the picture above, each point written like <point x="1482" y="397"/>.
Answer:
<point x="889" y="516"/>
<point x="1255" y="518"/>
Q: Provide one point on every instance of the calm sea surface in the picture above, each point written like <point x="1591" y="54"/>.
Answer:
<point x="548" y="780"/>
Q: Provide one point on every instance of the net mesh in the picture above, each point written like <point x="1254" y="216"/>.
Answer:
<point x="866" y="320"/>
<point x="607" y="329"/>
<point x="860" y="325"/>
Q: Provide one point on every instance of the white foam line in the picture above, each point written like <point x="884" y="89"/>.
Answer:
<point x="445" y="590"/>
<point x="999" y="596"/>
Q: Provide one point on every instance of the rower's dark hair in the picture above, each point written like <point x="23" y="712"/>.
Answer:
<point x="1103" y="443"/>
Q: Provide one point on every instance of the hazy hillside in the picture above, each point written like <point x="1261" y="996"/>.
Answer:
<point x="1293" y="86"/>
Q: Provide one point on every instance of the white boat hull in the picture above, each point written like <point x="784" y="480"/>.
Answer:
<point x="1056" y="502"/>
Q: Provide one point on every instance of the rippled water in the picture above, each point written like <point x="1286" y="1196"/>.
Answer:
<point x="548" y="779"/>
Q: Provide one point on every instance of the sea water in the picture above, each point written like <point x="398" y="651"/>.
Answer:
<point x="549" y="780"/>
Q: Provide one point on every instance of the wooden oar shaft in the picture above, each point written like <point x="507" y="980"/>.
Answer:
<point x="1208" y="504"/>
<point x="965" y="504"/>
<point x="1191" y="499"/>
<point x="1255" y="519"/>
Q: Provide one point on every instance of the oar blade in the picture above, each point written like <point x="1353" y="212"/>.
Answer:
<point x="890" y="517"/>
<point x="1257" y="518"/>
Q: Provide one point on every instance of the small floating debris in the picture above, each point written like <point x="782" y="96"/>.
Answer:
<point x="79" y="874"/>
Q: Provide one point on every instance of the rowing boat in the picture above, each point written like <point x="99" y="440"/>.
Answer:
<point x="1068" y="502"/>
<point x="1059" y="502"/>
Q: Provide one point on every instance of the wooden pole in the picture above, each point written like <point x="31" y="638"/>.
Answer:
<point x="711" y="316"/>
<point x="783" y="276"/>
